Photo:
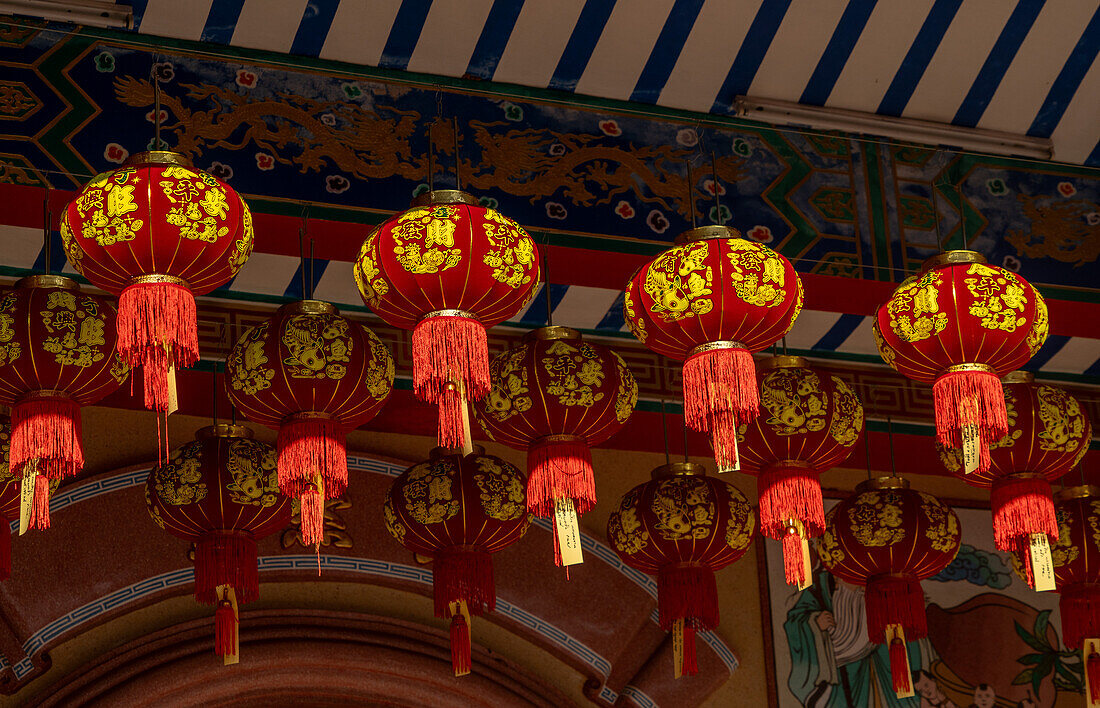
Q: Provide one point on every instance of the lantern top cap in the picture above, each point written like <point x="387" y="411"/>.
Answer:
<point x="552" y="332"/>
<point x="223" y="430"/>
<point x="47" y="281"/>
<point x="309" y="307"/>
<point x="444" y="196"/>
<point x="673" y="469"/>
<point x="784" y="361"/>
<point x="1018" y="377"/>
<point x="157" y="157"/>
<point x="1082" y="491"/>
<point x="949" y="258"/>
<point x="884" y="482"/>
<point x="706" y="233"/>
<point x="439" y="453"/>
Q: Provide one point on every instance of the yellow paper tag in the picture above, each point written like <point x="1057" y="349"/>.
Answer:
<point x="1042" y="565"/>
<point x="971" y="454"/>
<point x="26" y="495"/>
<point x="231" y="595"/>
<point x="1088" y="646"/>
<point x="569" y="532"/>
<point x="467" y="438"/>
<point x="807" y="568"/>
<point x="892" y="631"/>
<point x="678" y="648"/>
<point x="173" y="400"/>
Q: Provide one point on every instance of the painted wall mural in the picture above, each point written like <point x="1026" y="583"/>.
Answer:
<point x="578" y="174"/>
<point x="992" y="641"/>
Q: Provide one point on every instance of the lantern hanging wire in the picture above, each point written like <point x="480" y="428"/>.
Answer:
<point x="46" y="219"/>
<point x="690" y="193"/>
<point x="458" y="162"/>
<point x="714" y="188"/>
<point x="664" y="429"/>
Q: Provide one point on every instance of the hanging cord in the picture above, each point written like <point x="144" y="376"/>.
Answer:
<point x="714" y="178"/>
<point x="155" y="79"/>
<point x="302" y="250"/>
<point x="214" y="400"/>
<point x="664" y="428"/>
<point x="458" y="161"/>
<point x="47" y="224"/>
<point x="431" y="162"/>
<point x="867" y="449"/>
<point x="890" y="441"/>
<point x="690" y="193"/>
<point x="546" y="284"/>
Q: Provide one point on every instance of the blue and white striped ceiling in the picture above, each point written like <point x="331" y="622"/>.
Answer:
<point x="1022" y="66"/>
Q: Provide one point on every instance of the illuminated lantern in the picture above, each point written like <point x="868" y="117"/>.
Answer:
<point x="1076" y="560"/>
<point x="10" y="485"/>
<point x="710" y="301"/>
<point x="221" y="492"/>
<point x="682" y="526"/>
<point x="555" y="395"/>
<point x="448" y="269"/>
<point x="809" y="422"/>
<point x="313" y="375"/>
<point x="887" y="538"/>
<point x="458" y="509"/>
<point x="57" y="353"/>
<point x="961" y="325"/>
<point x="156" y="232"/>
<point x="1048" y="434"/>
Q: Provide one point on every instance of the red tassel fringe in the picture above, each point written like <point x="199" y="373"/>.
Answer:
<point x="691" y="664"/>
<point x="225" y="629"/>
<point x="893" y="599"/>
<point x="5" y="549"/>
<point x="1021" y="507"/>
<point x="970" y="398"/>
<point x="309" y="445"/>
<point x="790" y="493"/>
<point x="1079" y="606"/>
<point x="899" y="666"/>
<point x="157" y="328"/>
<point x="687" y="592"/>
<point x="450" y="351"/>
<point x="559" y="469"/>
<point x="1092" y="665"/>
<point x="460" y="645"/>
<point x="312" y="506"/>
<point x="793" y="565"/>
<point x="47" y="429"/>
<point x="226" y="558"/>
<point x="40" y="514"/>
<point x="720" y="394"/>
<point x="460" y="574"/>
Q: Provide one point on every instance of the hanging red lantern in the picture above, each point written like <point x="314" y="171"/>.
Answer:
<point x="1076" y="561"/>
<point x="1048" y="434"/>
<point x="683" y="526"/>
<point x="554" y="396"/>
<point x="11" y="485"/>
<point x="156" y="232"/>
<point x="220" y="492"/>
<point x="710" y="301"/>
<point x="810" y="422"/>
<point x="313" y="375"/>
<point x="961" y="325"/>
<point x="459" y="510"/>
<point x="57" y="353"/>
<point x="448" y="269"/>
<point x="887" y="538"/>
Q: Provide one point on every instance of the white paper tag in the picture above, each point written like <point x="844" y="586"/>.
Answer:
<point x="26" y="495"/>
<point x="678" y="648"/>
<point x="569" y="532"/>
<point x="971" y="453"/>
<point x="173" y="400"/>
<point x="892" y="631"/>
<point x="1042" y="565"/>
<point x="231" y="595"/>
<point x="736" y="455"/>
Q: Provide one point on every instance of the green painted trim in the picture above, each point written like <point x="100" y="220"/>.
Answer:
<point x="797" y="170"/>
<point x="55" y="139"/>
<point x="880" y="234"/>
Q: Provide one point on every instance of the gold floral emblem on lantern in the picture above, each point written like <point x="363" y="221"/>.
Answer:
<point x="512" y="252"/>
<point x="683" y="508"/>
<point x="425" y="239"/>
<point x="318" y="346"/>
<point x="915" y="311"/>
<point x="875" y="519"/>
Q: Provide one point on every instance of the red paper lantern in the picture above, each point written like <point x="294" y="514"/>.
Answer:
<point x="887" y="538"/>
<point x="682" y="526"/>
<point x="1076" y="560"/>
<point x="459" y="509"/>
<point x="448" y="269"/>
<point x="710" y="301"/>
<point x="221" y="493"/>
<point x="313" y="375"/>
<point x="10" y="486"/>
<point x="57" y="353"/>
<point x="554" y="396"/>
<point x="1048" y="434"/>
<point x="810" y="422"/>
<point x="961" y="325"/>
<point x="156" y="232"/>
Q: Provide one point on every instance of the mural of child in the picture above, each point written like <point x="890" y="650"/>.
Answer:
<point x="984" y="697"/>
<point x="929" y="691"/>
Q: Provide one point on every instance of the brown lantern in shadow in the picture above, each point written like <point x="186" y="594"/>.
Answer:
<point x="220" y="492"/>
<point x="682" y="526"/>
<point x="886" y="538"/>
<point x="459" y="510"/>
